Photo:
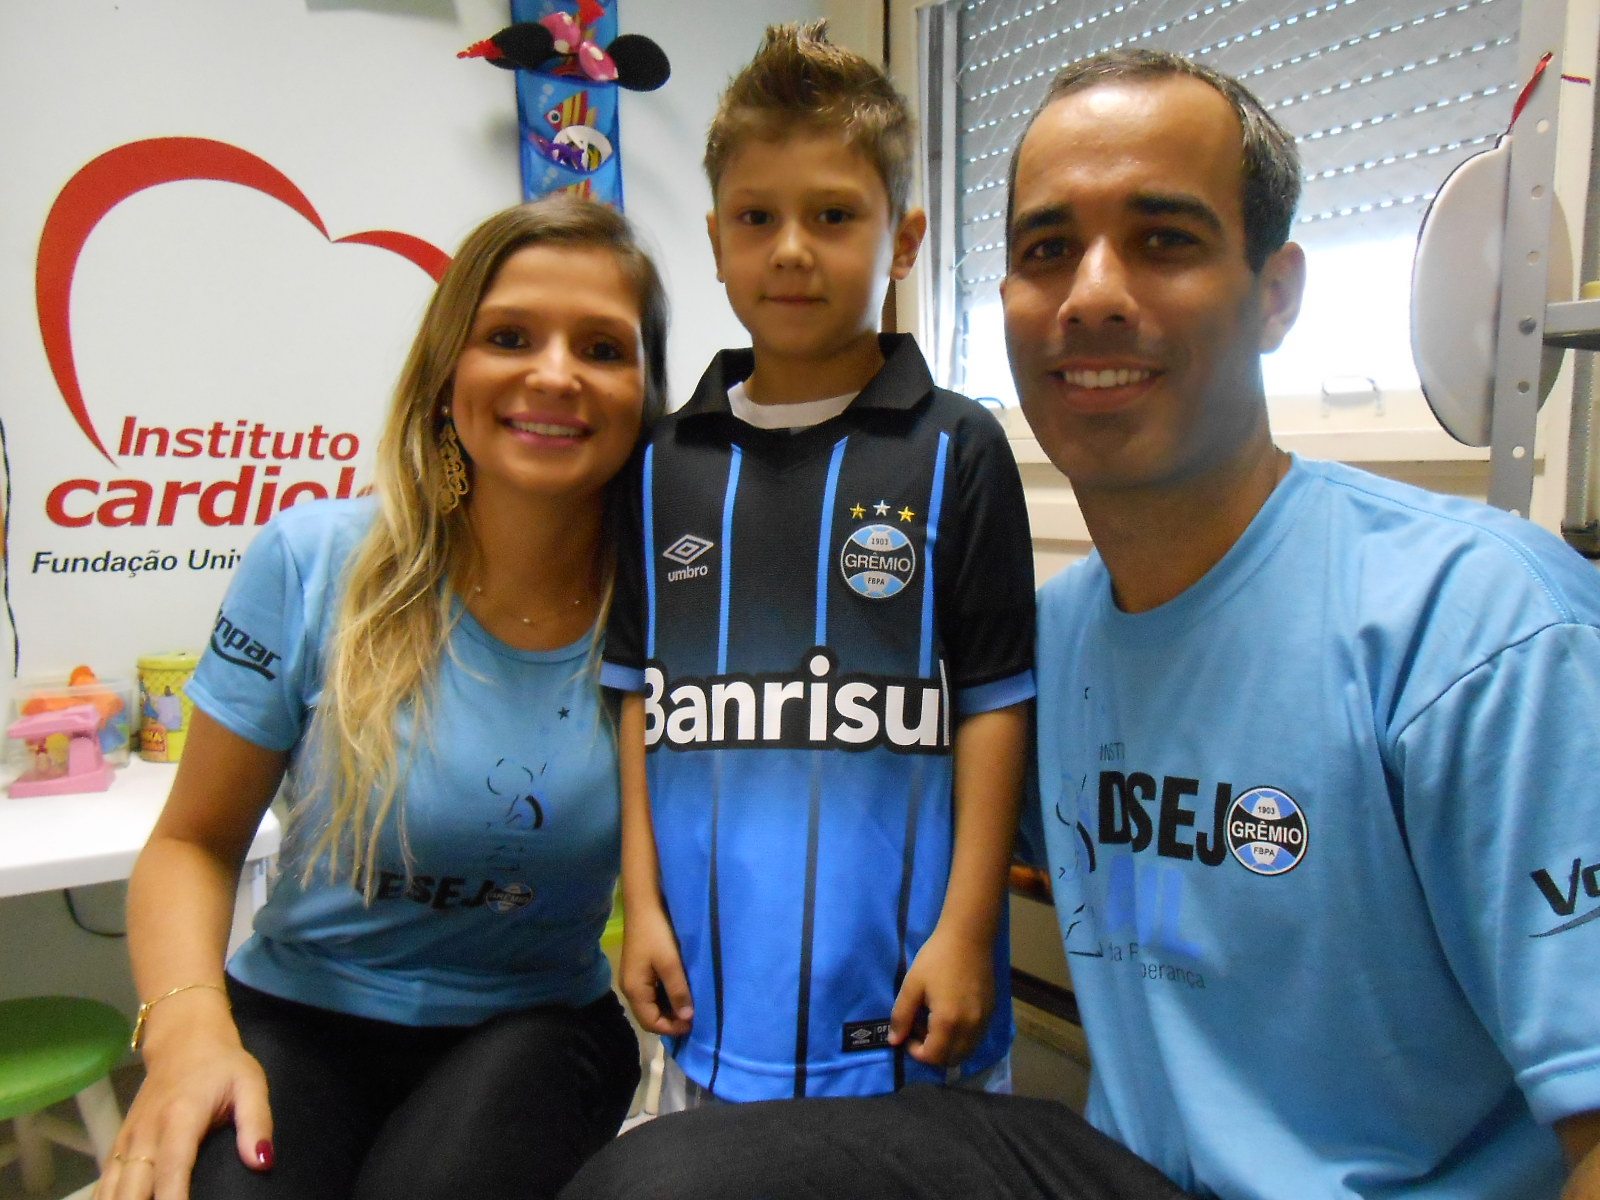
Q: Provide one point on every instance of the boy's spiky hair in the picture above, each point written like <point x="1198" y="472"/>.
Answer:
<point x="799" y="80"/>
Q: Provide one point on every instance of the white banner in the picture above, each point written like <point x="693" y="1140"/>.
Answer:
<point x="222" y="220"/>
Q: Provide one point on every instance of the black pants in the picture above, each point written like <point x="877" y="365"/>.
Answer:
<point x="507" y="1110"/>
<point x="924" y="1143"/>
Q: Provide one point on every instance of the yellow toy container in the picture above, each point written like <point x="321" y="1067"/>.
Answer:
<point x="164" y="708"/>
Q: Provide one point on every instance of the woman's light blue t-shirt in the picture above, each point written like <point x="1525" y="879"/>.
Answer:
<point x="510" y="806"/>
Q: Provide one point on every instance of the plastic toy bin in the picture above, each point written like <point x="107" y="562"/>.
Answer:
<point x="66" y="738"/>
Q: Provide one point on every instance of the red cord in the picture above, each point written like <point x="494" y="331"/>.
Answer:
<point x="1527" y="88"/>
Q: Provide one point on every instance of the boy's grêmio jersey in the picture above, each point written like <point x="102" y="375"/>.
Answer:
<point x="809" y="614"/>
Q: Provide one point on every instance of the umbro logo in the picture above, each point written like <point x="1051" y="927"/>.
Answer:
<point x="683" y="552"/>
<point x="865" y="1035"/>
<point x="686" y="549"/>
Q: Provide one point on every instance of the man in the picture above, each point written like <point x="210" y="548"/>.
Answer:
<point x="1312" y="745"/>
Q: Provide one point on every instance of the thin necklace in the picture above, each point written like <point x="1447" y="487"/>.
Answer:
<point x="578" y="603"/>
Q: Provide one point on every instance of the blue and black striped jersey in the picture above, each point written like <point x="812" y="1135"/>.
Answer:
<point x="809" y="614"/>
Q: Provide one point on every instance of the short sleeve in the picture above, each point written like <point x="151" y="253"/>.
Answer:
<point x="987" y="618"/>
<point x="1503" y="820"/>
<point x="259" y="673"/>
<point x="626" y="645"/>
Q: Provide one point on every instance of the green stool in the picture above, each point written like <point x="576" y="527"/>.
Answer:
<point x="53" y="1047"/>
<point x="611" y="939"/>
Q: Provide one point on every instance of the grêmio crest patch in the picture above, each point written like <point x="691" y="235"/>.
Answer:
<point x="877" y="561"/>
<point x="1267" y="831"/>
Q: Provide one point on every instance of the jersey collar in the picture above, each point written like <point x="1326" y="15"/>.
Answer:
<point x="900" y="383"/>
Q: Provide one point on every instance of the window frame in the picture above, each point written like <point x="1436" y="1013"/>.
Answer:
<point x="1404" y="441"/>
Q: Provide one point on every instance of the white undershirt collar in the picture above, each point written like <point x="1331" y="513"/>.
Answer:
<point x="785" y="416"/>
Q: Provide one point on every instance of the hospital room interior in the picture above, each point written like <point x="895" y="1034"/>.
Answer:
<point x="223" y="223"/>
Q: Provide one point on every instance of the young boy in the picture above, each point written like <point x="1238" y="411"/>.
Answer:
<point x="827" y="606"/>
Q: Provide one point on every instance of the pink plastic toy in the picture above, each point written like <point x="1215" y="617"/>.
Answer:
<point x="86" y="770"/>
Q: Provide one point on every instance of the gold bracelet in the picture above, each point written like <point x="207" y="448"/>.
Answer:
<point x="144" y="1009"/>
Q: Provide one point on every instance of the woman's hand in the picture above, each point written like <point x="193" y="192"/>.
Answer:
<point x="652" y="970"/>
<point x="180" y="906"/>
<point x="197" y="1078"/>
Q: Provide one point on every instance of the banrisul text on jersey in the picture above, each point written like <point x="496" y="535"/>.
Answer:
<point x="811" y="707"/>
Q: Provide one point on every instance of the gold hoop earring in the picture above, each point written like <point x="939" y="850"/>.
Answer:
<point x="455" y="471"/>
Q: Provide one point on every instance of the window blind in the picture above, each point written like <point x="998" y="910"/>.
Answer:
<point x="1385" y="98"/>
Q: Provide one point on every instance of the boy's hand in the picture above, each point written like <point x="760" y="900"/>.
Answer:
<point x="652" y="974"/>
<point x="953" y="978"/>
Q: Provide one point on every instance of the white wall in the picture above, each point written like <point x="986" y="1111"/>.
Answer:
<point x="666" y="192"/>
<point x="200" y="301"/>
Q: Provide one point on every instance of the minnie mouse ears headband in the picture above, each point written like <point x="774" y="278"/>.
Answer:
<point x="631" y="60"/>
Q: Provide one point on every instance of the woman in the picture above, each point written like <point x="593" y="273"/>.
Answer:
<point x="424" y="1001"/>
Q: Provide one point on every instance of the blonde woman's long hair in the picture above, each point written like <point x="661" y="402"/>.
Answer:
<point x="395" y="615"/>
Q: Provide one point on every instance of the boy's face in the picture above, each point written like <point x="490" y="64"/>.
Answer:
<point x="807" y="246"/>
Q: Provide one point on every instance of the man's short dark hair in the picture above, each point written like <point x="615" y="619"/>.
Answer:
<point x="1271" y="165"/>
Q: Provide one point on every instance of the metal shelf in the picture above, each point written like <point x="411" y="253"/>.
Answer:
<point x="1573" y="325"/>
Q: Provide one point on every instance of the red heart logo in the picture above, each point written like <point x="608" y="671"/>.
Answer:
<point x="106" y="181"/>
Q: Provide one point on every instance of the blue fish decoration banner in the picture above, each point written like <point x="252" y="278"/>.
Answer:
<point x="568" y="117"/>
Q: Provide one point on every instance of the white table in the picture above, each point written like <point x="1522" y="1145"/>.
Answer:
<point x="51" y="842"/>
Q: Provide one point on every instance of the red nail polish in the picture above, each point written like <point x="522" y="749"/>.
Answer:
<point x="264" y="1154"/>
